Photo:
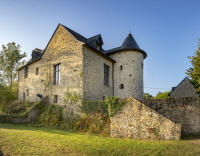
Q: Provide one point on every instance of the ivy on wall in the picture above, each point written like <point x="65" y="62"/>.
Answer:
<point x="71" y="97"/>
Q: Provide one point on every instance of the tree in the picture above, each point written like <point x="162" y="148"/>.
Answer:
<point x="194" y="71"/>
<point x="11" y="58"/>
<point x="147" y="96"/>
<point x="162" y="95"/>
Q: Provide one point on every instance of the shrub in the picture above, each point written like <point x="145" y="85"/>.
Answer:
<point x="17" y="107"/>
<point x="114" y="104"/>
<point x="51" y="115"/>
<point x="93" y="123"/>
<point x="89" y="107"/>
<point x="6" y="98"/>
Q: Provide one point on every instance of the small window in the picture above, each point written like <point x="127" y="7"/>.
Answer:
<point x="56" y="74"/>
<point x="106" y="75"/>
<point x="26" y="72"/>
<point x="27" y="92"/>
<point x="24" y="96"/>
<point x="142" y="65"/>
<point x="121" y="86"/>
<point x="36" y="71"/>
<point x="98" y="46"/>
<point x="55" y="98"/>
<point x="121" y="67"/>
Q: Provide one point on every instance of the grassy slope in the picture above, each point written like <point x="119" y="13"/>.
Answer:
<point x="25" y="140"/>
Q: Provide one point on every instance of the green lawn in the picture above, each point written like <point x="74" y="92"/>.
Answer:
<point x="26" y="140"/>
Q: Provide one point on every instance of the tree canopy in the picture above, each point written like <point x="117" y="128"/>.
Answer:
<point x="11" y="58"/>
<point x="162" y="95"/>
<point x="194" y="71"/>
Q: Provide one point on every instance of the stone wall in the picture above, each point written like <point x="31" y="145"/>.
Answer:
<point x="93" y="75"/>
<point x="184" y="111"/>
<point x="32" y="83"/>
<point x="62" y="49"/>
<point x="130" y="75"/>
<point x="30" y="117"/>
<point x="137" y="121"/>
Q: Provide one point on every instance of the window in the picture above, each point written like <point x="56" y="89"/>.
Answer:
<point x="24" y="96"/>
<point x="56" y="76"/>
<point x="121" y="86"/>
<point x="55" y="98"/>
<point x="36" y="71"/>
<point x="106" y="75"/>
<point x="121" y="67"/>
<point x="27" y="92"/>
<point x="98" y="46"/>
<point x="26" y="72"/>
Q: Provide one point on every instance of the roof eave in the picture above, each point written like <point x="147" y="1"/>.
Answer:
<point x="29" y="63"/>
<point x="100" y="53"/>
<point x="119" y="50"/>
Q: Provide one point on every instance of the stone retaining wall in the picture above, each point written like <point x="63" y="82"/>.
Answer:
<point x="137" y="121"/>
<point x="184" y="111"/>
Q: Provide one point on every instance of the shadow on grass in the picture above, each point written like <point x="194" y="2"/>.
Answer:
<point x="37" y="128"/>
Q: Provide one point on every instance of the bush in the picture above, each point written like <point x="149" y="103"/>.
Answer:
<point x="114" y="104"/>
<point x="17" y="107"/>
<point x="6" y="98"/>
<point x="89" y="107"/>
<point x="93" y="123"/>
<point x="51" y="115"/>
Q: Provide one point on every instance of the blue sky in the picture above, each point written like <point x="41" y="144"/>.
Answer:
<point x="168" y="30"/>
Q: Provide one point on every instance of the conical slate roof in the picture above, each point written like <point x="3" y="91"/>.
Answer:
<point x="128" y="44"/>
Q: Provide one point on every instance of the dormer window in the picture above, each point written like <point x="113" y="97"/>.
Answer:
<point x="98" y="46"/>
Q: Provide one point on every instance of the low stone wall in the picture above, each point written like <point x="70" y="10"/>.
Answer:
<point x="137" y="121"/>
<point x="29" y="117"/>
<point x="184" y="111"/>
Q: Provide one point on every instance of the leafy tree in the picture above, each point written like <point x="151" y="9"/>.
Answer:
<point x="11" y="58"/>
<point x="162" y="95"/>
<point x="194" y="71"/>
<point x="147" y="96"/>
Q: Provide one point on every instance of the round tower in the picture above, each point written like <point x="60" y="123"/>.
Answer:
<point x="128" y="69"/>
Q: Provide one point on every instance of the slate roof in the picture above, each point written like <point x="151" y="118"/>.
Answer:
<point x="185" y="79"/>
<point x="75" y="34"/>
<point x="128" y="44"/>
<point x="97" y="38"/>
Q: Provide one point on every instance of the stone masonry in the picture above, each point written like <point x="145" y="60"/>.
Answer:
<point x="82" y="70"/>
<point x="138" y="121"/>
<point x="184" y="111"/>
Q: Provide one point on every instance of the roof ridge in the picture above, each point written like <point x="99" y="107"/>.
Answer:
<point x="77" y="35"/>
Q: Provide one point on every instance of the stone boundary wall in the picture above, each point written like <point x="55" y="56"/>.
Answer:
<point x="29" y="117"/>
<point x="184" y="111"/>
<point x="138" y="121"/>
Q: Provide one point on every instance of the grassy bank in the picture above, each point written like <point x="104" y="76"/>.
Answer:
<point x="26" y="140"/>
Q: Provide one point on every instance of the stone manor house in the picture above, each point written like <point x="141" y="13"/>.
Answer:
<point x="79" y="65"/>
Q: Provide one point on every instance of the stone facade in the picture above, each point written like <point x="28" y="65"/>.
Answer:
<point x="32" y="83"/>
<point x="82" y="72"/>
<point x="138" y="121"/>
<point x="93" y="76"/>
<point x="128" y="70"/>
<point x="184" y="111"/>
<point x="63" y="48"/>
<point x="184" y="89"/>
